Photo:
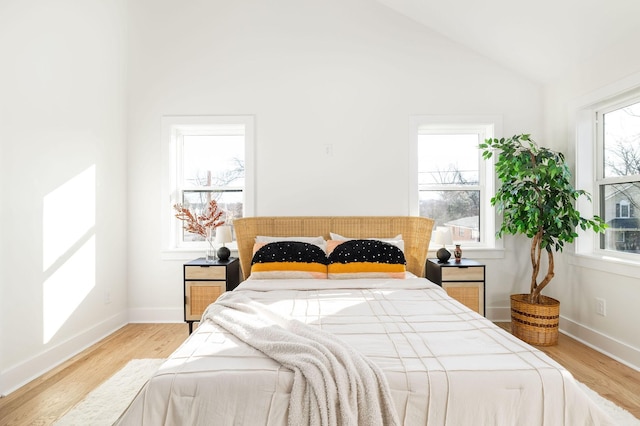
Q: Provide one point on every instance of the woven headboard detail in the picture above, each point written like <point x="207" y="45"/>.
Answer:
<point x="416" y="233"/>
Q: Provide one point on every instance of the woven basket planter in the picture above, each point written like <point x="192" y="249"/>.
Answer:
<point x="535" y="323"/>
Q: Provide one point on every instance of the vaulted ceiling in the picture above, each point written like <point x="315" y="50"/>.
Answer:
<point x="540" y="39"/>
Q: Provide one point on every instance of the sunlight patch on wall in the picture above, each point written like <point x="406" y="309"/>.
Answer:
<point x="68" y="249"/>
<point x="67" y="287"/>
<point x="69" y="212"/>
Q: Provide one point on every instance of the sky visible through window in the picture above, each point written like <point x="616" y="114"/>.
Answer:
<point x="219" y="155"/>
<point x="448" y="159"/>
<point x="622" y="141"/>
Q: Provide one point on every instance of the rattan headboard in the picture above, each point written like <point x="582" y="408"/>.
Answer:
<point x="416" y="233"/>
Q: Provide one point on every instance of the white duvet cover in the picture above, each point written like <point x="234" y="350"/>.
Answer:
<point x="445" y="364"/>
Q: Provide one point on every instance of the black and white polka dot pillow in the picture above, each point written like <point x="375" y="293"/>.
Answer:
<point x="366" y="259"/>
<point x="289" y="259"/>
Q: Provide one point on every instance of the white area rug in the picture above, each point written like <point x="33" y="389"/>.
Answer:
<point x="104" y="405"/>
<point x="621" y="416"/>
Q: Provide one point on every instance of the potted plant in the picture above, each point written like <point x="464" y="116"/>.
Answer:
<point x="536" y="199"/>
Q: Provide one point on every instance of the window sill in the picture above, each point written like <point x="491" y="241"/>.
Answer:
<point x="474" y="253"/>
<point x="186" y="254"/>
<point x="608" y="264"/>
<point x="192" y="252"/>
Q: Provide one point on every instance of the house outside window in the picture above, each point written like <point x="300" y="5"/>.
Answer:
<point x="207" y="158"/>
<point x="618" y="174"/>
<point x="452" y="183"/>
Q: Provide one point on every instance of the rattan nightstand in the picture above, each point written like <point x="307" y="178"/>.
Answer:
<point x="464" y="281"/>
<point x="204" y="282"/>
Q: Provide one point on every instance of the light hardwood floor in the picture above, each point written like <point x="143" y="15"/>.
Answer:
<point x="49" y="397"/>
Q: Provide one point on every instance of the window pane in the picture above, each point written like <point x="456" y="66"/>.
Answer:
<point x="620" y="212"/>
<point x="459" y="210"/>
<point x="448" y="159"/>
<point x="216" y="161"/>
<point x="622" y="141"/>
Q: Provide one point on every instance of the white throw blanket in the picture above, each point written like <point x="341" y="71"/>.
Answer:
<point x="333" y="383"/>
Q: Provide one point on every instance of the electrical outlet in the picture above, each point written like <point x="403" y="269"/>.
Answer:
<point x="601" y="307"/>
<point x="107" y="297"/>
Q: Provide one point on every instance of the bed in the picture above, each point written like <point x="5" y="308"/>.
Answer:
<point x="436" y="361"/>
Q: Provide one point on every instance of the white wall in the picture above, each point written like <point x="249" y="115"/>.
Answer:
<point x="580" y="280"/>
<point x="62" y="175"/>
<point x="347" y="73"/>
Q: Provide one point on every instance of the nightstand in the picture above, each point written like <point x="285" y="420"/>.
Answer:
<point x="464" y="281"/>
<point x="204" y="282"/>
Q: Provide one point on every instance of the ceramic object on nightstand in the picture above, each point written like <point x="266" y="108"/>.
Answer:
<point x="457" y="253"/>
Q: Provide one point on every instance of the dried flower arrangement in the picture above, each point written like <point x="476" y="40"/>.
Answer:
<point x="200" y="224"/>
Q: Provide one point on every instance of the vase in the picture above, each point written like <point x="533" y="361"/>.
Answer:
<point x="210" y="251"/>
<point x="457" y="253"/>
<point x="210" y="254"/>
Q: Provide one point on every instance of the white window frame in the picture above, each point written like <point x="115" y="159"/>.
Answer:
<point x="490" y="127"/>
<point x="173" y="129"/>
<point x="588" y="157"/>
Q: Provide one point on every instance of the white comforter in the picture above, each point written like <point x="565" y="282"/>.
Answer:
<point x="445" y="364"/>
<point x="333" y="384"/>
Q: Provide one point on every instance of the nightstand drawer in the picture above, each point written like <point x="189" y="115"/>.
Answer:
<point x="463" y="274"/>
<point x="470" y="294"/>
<point x="200" y="295"/>
<point x="205" y="272"/>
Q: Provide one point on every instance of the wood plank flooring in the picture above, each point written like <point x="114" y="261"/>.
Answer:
<point x="49" y="397"/>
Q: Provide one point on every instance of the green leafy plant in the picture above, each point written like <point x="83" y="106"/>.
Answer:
<point x="536" y="199"/>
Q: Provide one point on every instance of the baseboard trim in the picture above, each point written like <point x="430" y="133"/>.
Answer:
<point x="497" y="314"/>
<point x="609" y="346"/>
<point x="20" y="374"/>
<point x="620" y="351"/>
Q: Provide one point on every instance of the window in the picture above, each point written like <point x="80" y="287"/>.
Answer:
<point x="453" y="184"/>
<point x="604" y="147"/>
<point x="618" y="174"/>
<point x="207" y="158"/>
